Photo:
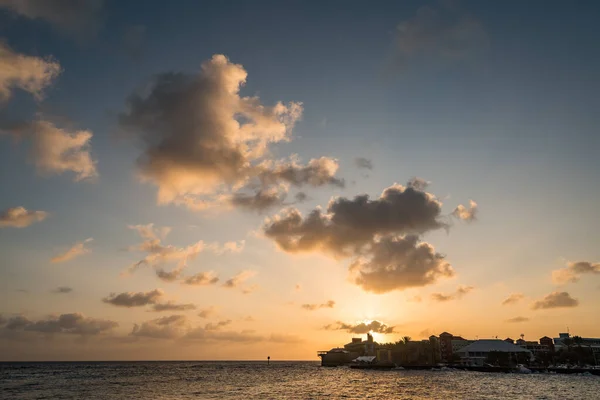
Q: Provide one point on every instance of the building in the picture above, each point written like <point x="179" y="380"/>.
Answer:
<point x="477" y="353"/>
<point x="548" y="342"/>
<point x="361" y="347"/>
<point x="565" y="341"/>
<point x="449" y="344"/>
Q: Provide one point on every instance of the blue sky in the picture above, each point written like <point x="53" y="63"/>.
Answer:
<point x="503" y="112"/>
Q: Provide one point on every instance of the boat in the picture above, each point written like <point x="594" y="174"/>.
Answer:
<point x="370" y="362"/>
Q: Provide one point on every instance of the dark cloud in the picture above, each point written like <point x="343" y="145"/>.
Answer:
<point x="364" y="163"/>
<point x="348" y="225"/>
<point x="74" y="323"/>
<point x="466" y="214"/>
<point x="460" y="292"/>
<point x="17" y="322"/>
<point x="213" y="327"/>
<point x="399" y="263"/>
<point x="418" y="183"/>
<point x="573" y="271"/>
<point x="317" y="172"/>
<point x="261" y="200"/>
<point x="168" y="276"/>
<point x="312" y="307"/>
<point x="170" y="327"/>
<point x="362" y="328"/>
<point x="131" y="299"/>
<point x="19" y="217"/>
<point x="379" y="235"/>
<point x="301" y="197"/>
<point x="170" y="306"/>
<point x="201" y="279"/>
<point x="517" y="320"/>
<point x="78" y="17"/>
<point x="555" y="300"/>
<point x="62" y="289"/>
<point x="203" y="142"/>
<point x="513" y="299"/>
<point x="439" y="36"/>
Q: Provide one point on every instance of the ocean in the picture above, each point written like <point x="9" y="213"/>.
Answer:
<point x="279" y="380"/>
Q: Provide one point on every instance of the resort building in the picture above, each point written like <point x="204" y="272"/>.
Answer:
<point x="477" y="353"/>
<point x="566" y="341"/>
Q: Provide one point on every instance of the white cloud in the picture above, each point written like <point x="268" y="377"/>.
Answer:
<point x="206" y="146"/>
<point x="32" y="74"/>
<point x="78" y="249"/>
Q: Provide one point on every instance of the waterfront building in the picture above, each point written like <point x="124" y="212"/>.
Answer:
<point x="450" y="344"/>
<point x="565" y="341"/>
<point x="477" y="352"/>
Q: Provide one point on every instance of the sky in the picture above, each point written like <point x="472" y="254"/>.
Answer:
<point x="239" y="180"/>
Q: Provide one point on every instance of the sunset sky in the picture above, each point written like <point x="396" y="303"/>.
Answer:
<point x="249" y="179"/>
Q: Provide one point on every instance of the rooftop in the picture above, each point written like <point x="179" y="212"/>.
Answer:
<point x="487" y="345"/>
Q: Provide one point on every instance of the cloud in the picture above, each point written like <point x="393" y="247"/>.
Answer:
<point x="301" y="197"/>
<point x="348" y="225"/>
<point x="17" y="322"/>
<point x="439" y="36"/>
<point x="364" y="163"/>
<point x="169" y="327"/>
<point x="31" y="74"/>
<point x="168" y="276"/>
<point x="573" y="271"/>
<point x="460" y="292"/>
<point x="555" y="300"/>
<point x="517" y="320"/>
<point x="399" y="263"/>
<point x="418" y="183"/>
<point x="55" y="150"/>
<point x="513" y="299"/>
<point x="466" y="214"/>
<point x="239" y="278"/>
<point x="157" y="254"/>
<point x="362" y="327"/>
<point x="261" y="200"/>
<point x="71" y="16"/>
<point x="312" y="307"/>
<point x="78" y="249"/>
<point x="74" y="323"/>
<point x="20" y="217"/>
<point x="213" y="327"/>
<point x="170" y="306"/>
<point x="202" y="279"/>
<point x="204" y="142"/>
<point x="379" y="235"/>
<point x="207" y="312"/>
<point x="132" y="299"/>
<point x="62" y="289"/>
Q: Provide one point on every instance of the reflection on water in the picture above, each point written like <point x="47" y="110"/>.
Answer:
<point x="280" y="380"/>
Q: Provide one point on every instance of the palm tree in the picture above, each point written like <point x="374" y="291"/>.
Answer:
<point x="406" y="339"/>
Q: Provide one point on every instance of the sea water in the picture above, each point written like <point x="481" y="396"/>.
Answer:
<point x="279" y="380"/>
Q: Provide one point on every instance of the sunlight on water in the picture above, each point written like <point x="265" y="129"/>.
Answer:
<point x="280" y="380"/>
